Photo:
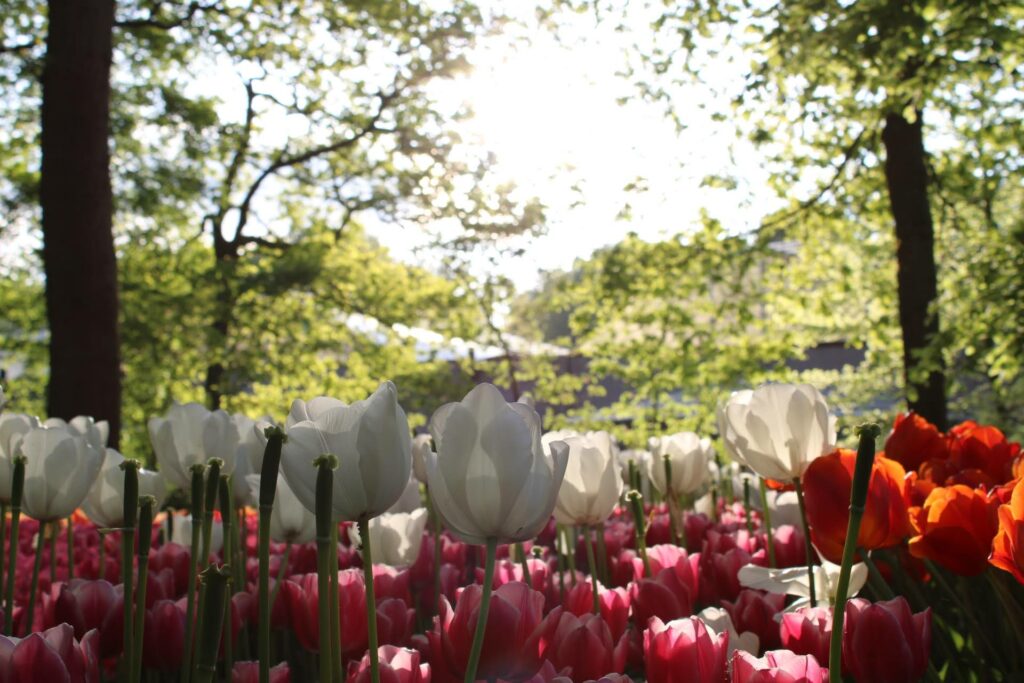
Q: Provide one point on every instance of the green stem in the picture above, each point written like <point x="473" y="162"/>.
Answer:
<point x="145" y="538"/>
<point x="593" y="571"/>
<point x="560" y="558"/>
<point x="3" y="538"/>
<point x="212" y="487"/>
<point x="523" y="564"/>
<point x="746" y="507"/>
<point x="282" y="571"/>
<point x="604" y="573"/>
<point x="371" y="602"/>
<point x="36" y="565"/>
<point x="71" y="547"/>
<point x="438" y="549"/>
<point x="808" y="548"/>
<point x="670" y="500"/>
<point x="198" y="490"/>
<point x="325" y="465"/>
<point x="54" y="532"/>
<point x="215" y="584"/>
<point x="268" y="491"/>
<point x="858" y="494"/>
<point x="130" y="516"/>
<point x="878" y="581"/>
<point x="481" y="619"/>
<point x="227" y="515"/>
<point x="636" y="500"/>
<point x="977" y="633"/>
<point x="766" y="520"/>
<point x="17" y="487"/>
<point x="570" y="551"/>
<point x="336" y="670"/>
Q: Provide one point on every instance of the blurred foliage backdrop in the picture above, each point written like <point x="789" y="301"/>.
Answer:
<point x="247" y="278"/>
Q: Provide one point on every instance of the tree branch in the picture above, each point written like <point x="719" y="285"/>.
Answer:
<point x="153" y="22"/>
<point x="17" y="47"/>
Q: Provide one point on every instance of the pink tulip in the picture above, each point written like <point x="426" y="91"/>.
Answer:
<point x="397" y="665"/>
<point x="684" y="651"/>
<point x="884" y="642"/>
<point x="778" y="666"/>
<point x="807" y="631"/>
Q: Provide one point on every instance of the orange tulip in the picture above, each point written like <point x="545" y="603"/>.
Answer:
<point x="914" y="440"/>
<point x="982" y="453"/>
<point x="955" y="528"/>
<point x="1008" y="547"/>
<point x="827" y="494"/>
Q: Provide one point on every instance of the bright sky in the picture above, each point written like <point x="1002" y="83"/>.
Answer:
<point x="549" y="113"/>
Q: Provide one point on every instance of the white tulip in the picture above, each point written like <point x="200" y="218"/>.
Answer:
<point x="182" y="532"/>
<point x="395" y="537"/>
<point x="105" y="503"/>
<point x="778" y="429"/>
<point x="305" y="411"/>
<point x="248" y="457"/>
<point x="13" y="428"/>
<point x="96" y="433"/>
<point x="371" y="441"/>
<point x="785" y="509"/>
<point x="490" y="477"/>
<point x="688" y="454"/>
<point x="796" y="581"/>
<point x="290" y="521"/>
<point x="642" y="459"/>
<point x="718" y="619"/>
<point x="59" y="472"/>
<point x="421" y="445"/>
<point x="592" y="485"/>
<point x="191" y="434"/>
<point x="737" y="475"/>
<point x="557" y="435"/>
<point x="410" y="499"/>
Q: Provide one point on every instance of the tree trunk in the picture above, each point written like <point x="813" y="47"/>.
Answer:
<point x="907" y="180"/>
<point x="77" y="208"/>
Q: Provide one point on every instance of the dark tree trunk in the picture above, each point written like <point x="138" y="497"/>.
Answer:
<point x="907" y="180"/>
<point x="77" y="208"/>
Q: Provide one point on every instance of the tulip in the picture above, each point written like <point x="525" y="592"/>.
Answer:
<point x="182" y="533"/>
<point x="689" y="456"/>
<point x="591" y="486"/>
<point x="13" y="428"/>
<point x="301" y="593"/>
<point x="794" y="581"/>
<point x="913" y="441"/>
<point x="88" y="605"/>
<point x="248" y="460"/>
<point x="410" y="500"/>
<point x="779" y="666"/>
<point x="615" y="605"/>
<point x="397" y="665"/>
<point x="421" y="445"/>
<point x="671" y="593"/>
<point x="755" y="612"/>
<point x="827" y="485"/>
<point x="96" y="433"/>
<point x="371" y="441"/>
<point x="53" y="655"/>
<point x="249" y="672"/>
<point x="718" y="619"/>
<point x="290" y="520"/>
<point x="884" y="642"/>
<point x="59" y="472"/>
<point x="1008" y="546"/>
<point x="807" y="631"/>
<point x="164" y="636"/>
<point x="684" y="650"/>
<point x="955" y="528"/>
<point x="189" y="435"/>
<point x="583" y="644"/>
<point x="490" y="478"/>
<point x="516" y="613"/>
<point x="640" y="459"/>
<point x="105" y="503"/>
<point x="397" y="537"/>
<point x="778" y="429"/>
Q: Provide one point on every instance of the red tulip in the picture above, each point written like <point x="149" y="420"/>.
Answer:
<point x="614" y="603"/>
<point x="249" y="672"/>
<point x="827" y="485"/>
<point x="955" y="528"/>
<point x="720" y="562"/>
<point x="301" y="593"/>
<point x="88" y="605"/>
<point x="779" y="666"/>
<point x="175" y="557"/>
<point x="583" y="645"/>
<point x="983" y="448"/>
<point x="884" y="642"/>
<point x="914" y="440"/>
<point x="395" y="622"/>
<point x="515" y="614"/>
<point x="684" y="651"/>
<point x="53" y="655"/>
<point x="397" y="665"/>
<point x="1008" y="546"/>
<point x="790" y="550"/>
<point x="164" y="636"/>
<point x="807" y="631"/>
<point x="755" y="612"/>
